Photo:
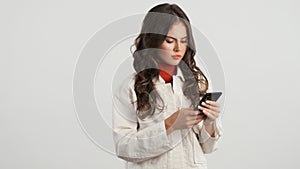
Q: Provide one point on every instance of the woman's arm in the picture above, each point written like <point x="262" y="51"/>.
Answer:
<point x="132" y="144"/>
<point x="210" y="131"/>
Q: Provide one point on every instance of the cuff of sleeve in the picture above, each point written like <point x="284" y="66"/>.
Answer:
<point x="204" y="135"/>
<point x="174" y="138"/>
<point x="163" y="138"/>
<point x="158" y="131"/>
<point x="155" y="138"/>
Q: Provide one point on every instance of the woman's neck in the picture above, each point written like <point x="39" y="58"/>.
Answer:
<point x="166" y="71"/>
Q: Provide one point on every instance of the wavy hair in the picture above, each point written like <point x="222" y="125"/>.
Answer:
<point x="156" y="25"/>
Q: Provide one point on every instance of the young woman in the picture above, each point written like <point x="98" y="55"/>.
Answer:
<point x="154" y="121"/>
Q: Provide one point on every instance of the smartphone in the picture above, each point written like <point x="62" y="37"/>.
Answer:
<point x="213" y="96"/>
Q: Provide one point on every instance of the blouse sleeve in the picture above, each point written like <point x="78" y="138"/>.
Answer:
<point x="132" y="144"/>
<point x="208" y="144"/>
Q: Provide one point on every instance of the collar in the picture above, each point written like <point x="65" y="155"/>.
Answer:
<point x="179" y="75"/>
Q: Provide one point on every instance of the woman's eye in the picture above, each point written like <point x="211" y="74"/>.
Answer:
<point x="169" y="41"/>
<point x="184" y="41"/>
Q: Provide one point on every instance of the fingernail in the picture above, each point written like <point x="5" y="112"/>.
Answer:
<point x="207" y="101"/>
<point x="203" y="103"/>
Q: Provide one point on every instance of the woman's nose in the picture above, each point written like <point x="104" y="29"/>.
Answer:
<point x="177" y="46"/>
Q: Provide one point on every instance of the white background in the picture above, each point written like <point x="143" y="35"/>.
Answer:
<point x="257" y="42"/>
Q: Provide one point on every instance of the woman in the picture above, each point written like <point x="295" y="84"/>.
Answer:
<point x="154" y="122"/>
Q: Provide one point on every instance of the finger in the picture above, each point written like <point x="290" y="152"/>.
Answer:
<point x="201" y="116"/>
<point x="212" y="103"/>
<point x="214" y="107"/>
<point x="210" y="114"/>
<point x="196" y="118"/>
<point x="213" y="113"/>
<point x="194" y="122"/>
<point x="197" y="121"/>
<point x="193" y="113"/>
<point x="202" y="108"/>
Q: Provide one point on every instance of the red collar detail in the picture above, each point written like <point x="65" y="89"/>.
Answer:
<point x="166" y="72"/>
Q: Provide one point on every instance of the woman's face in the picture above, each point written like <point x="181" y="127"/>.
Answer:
<point x="174" y="45"/>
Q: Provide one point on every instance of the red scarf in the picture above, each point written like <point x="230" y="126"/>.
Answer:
<point x="166" y="71"/>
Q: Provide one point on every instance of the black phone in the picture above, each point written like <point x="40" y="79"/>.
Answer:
<point x="213" y="96"/>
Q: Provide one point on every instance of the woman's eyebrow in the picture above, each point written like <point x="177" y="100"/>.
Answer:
<point x="175" y="38"/>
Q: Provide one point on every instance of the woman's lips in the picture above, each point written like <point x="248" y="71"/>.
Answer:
<point x="177" y="57"/>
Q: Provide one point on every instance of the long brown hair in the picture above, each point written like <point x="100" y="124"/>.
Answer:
<point x="156" y="25"/>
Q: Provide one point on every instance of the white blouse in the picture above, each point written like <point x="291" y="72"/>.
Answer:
<point x="149" y="146"/>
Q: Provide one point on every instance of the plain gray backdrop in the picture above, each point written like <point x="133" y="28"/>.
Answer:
<point x="257" y="43"/>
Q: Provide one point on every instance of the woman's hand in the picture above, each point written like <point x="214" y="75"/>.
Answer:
<point x="183" y="119"/>
<point x="211" y="109"/>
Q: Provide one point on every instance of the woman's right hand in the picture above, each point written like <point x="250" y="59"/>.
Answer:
<point x="183" y="119"/>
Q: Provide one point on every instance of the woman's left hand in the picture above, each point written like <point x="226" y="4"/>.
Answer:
<point x="211" y="109"/>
